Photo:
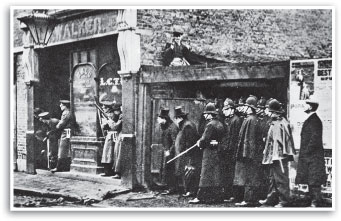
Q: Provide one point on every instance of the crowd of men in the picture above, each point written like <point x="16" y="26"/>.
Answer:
<point x="56" y="135"/>
<point x="240" y="153"/>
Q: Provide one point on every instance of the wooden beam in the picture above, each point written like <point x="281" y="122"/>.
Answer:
<point x="242" y="71"/>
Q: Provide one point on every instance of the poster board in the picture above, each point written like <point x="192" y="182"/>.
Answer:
<point x="83" y="90"/>
<point x="307" y="78"/>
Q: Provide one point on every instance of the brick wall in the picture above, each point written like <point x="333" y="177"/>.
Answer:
<point x="21" y="108"/>
<point x="239" y="35"/>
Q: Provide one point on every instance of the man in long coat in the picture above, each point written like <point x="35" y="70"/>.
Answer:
<point x="249" y="173"/>
<point x="51" y="140"/>
<point x="279" y="150"/>
<point x="116" y="126"/>
<point x="233" y="122"/>
<point x="109" y="128"/>
<point x="311" y="166"/>
<point x="168" y="136"/>
<point x="65" y="126"/>
<point x="186" y="138"/>
<point x="210" y="186"/>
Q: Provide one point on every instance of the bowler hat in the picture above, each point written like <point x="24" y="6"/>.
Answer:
<point x="164" y="112"/>
<point x="210" y="109"/>
<point x="44" y="115"/>
<point x="178" y="112"/>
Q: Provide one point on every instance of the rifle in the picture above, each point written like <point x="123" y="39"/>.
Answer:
<point x="49" y="133"/>
<point x="102" y="112"/>
<point x="99" y="108"/>
<point x="182" y="153"/>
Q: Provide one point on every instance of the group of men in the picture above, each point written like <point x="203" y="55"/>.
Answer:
<point x="242" y="154"/>
<point x="57" y="134"/>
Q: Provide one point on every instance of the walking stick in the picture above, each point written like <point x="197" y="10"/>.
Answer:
<point x="182" y="153"/>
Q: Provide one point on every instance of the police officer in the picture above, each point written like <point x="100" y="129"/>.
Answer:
<point x="279" y="150"/>
<point x="248" y="173"/>
<point x="210" y="185"/>
<point x="233" y="122"/>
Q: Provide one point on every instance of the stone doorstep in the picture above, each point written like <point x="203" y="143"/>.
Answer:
<point x="83" y="176"/>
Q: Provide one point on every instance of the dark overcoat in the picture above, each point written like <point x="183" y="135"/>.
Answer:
<point x="230" y="142"/>
<point x="311" y="166"/>
<point x="249" y="154"/>
<point x="187" y="137"/>
<point x="66" y="122"/>
<point x="168" y="136"/>
<point x="211" y="167"/>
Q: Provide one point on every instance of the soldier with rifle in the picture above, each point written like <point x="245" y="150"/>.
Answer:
<point x="111" y="124"/>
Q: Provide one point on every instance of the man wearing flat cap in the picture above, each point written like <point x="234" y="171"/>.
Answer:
<point x="311" y="166"/>
<point x="65" y="127"/>
<point x="186" y="137"/>
<point x="168" y="135"/>
<point x="112" y="126"/>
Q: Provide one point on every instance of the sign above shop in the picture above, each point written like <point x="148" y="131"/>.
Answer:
<point x="83" y="28"/>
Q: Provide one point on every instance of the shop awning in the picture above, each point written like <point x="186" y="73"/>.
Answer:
<point x="217" y="72"/>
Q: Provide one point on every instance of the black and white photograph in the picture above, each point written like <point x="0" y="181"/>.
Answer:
<point x="182" y="108"/>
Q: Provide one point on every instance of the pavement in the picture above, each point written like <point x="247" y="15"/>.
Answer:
<point x="68" y="185"/>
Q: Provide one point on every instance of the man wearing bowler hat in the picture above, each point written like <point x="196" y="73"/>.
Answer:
<point x="168" y="136"/>
<point x="187" y="137"/>
<point x="65" y="126"/>
<point x="279" y="150"/>
<point x="311" y="166"/>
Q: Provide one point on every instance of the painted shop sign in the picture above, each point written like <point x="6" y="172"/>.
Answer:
<point x="83" y="96"/>
<point x="110" y="87"/>
<point x="85" y="27"/>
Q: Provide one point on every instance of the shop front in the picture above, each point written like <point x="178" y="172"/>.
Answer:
<point x="193" y="86"/>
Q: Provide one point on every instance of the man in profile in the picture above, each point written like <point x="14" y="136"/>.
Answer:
<point x="311" y="166"/>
